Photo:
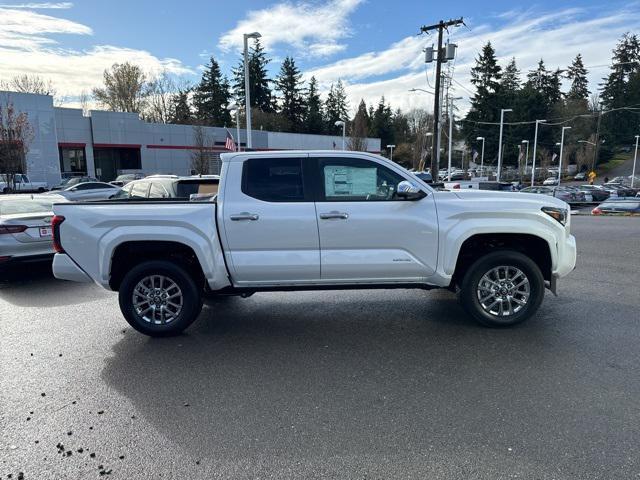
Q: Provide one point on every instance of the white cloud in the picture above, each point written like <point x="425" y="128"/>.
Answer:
<point x="40" y="6"/>
<point x="312" y="30"/>
<point x="527" y="35"/>
<point x="27" y="48"/>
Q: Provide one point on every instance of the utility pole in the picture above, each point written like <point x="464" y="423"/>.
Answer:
<point x="440" y="58"/>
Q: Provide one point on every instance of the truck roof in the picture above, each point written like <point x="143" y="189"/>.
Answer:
<point x="235" y="156"/>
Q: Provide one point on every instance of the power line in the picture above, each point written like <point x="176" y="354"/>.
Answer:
<point x="560" y="120"/>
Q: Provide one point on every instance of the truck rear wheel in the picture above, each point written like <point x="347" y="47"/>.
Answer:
<point x="502" y="289"/>
<point x="159" y="298"/>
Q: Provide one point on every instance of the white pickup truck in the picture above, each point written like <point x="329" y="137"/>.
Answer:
<point x="316" y="220"/>
<point x="22" y="185"/>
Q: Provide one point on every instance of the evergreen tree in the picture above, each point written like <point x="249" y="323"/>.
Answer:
<point x="577" y="74"/>
<point x="486" y="74"/>
<point x="211" y="97"/>
<point x="359" y="128"/>
<point x="313" y="121"/>
<point x="288" y="83"/>
<point x="485" y="103"/>
<point x="382" y="123"/>
<point x="510" y="81"/>
<point x="620" y="89"/>
<point x="336" y="106"/>
<point x="259" y="82"/>
<point x="182" y="113"/>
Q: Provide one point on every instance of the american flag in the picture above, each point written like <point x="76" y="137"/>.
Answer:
<point x="229" y="143"/>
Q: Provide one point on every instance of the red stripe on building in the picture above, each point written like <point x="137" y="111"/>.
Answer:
<point x="116" y="145"/>
<point x="71" y="145"/>
<point x="186" y="147"/>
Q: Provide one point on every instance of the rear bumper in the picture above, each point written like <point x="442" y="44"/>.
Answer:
<point x="6" y="261"/>
<point x="66" y="269"/>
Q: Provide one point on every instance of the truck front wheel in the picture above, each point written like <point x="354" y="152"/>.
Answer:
<point x="502" y="289"/>
<point x="159" y="298"/>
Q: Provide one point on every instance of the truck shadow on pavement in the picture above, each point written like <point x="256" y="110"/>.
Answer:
<point x="316" y="374"/>
<point x="33" y="285"/>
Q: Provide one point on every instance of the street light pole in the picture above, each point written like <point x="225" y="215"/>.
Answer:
<point x="635" y="157"/>
<point x="451" y="135"/>
<point x="526" y="157"/>
<point x="502" y="112"/>
<point x="247" y="93"/>
<point x="235" y="108"/>
<point x="481" y="157"/>
<point x="391" y="147"/>
<point x="561" y="147"/>
<point x="342" y="123"/>
<point x="535" y="145"/>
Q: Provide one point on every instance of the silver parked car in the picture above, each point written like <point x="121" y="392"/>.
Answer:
<point x="89" y="191"/>
<point x="25" y="227"/>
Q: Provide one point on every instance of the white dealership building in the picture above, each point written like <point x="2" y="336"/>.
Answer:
<point x="104" y="144"/>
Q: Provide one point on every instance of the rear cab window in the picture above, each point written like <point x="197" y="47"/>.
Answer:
<point x="274" y="179"/>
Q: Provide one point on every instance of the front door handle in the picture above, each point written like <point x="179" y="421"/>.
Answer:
<point x="330" y="215"/>
<point x="244" y="216"/>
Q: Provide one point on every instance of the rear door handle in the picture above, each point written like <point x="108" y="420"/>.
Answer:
<point x="330" y="215"/>
<point x="244" y="216"/>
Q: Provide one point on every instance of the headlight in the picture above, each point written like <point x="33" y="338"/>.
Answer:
<point x="559" y="214"/>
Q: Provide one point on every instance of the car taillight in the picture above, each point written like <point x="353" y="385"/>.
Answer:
<point x="5" y="229"/>
<point x="457" y="186"/>
<point x="55" y="227"/>
<point x="596" y="211"/>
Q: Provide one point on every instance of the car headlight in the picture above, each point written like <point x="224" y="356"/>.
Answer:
<point x="559" y="214"/>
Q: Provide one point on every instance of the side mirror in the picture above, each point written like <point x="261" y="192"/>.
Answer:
<point x="409" y="191"/>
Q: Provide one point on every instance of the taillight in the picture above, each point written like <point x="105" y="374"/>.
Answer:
<point x="457" y="186"/>
<point x="596" y="211"/>
<point x="5" y="229"/>
<point x="55" y="227"/>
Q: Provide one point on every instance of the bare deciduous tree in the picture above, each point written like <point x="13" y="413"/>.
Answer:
<point x="16" y="134"/>
<point x="125" y="88"/>
<point x="30" y="84"/>
<point x="202" y="153"/>
<point x="161" y="101"/>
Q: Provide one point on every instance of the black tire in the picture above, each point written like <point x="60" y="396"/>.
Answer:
<point x="468" y="294"/>
<point x="6" y="190"/>
<point x="42" y="190"/>
<point x="191" y="295"/>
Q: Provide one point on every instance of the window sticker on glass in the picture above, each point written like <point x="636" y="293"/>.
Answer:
<point x="349" y="181"/>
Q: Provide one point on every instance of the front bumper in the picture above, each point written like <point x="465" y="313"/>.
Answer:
<point x="566" y="260"/>
<point x="66" y="269"/>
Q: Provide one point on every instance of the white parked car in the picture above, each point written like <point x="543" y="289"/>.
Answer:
<point x="551" y="181"/>
<point x="317" y="220"/>
<point x="89" y="191"/>
<point x="22" y="185"/>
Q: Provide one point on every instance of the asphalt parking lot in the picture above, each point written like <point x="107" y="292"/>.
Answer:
<point x="361" y="384"/>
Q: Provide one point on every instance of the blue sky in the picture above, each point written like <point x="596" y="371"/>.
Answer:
<point x="371" y="45"/>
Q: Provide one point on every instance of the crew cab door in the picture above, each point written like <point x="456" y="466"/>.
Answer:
<point x="367" y="232"/>
<point x="269" y="221"/>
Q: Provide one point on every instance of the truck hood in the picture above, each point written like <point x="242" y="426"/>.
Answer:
<point x="508" y="200"/>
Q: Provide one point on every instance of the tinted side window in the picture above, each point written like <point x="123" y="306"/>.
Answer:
<point x="273" y="179"/>
<point x="357" y="180"/>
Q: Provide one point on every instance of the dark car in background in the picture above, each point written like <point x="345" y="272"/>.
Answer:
<point x="170" y="186"/>
<point x="598" y="194"/>
<point x="618" y="207"/>
<point x="562" y="193"/>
